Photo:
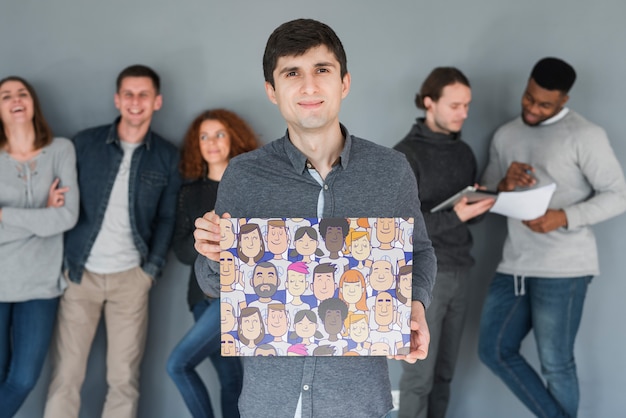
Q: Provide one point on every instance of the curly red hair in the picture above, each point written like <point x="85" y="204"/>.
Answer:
<point x="242" y="139"/>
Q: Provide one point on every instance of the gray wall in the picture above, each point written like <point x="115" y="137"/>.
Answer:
<point x="209" y="54"/>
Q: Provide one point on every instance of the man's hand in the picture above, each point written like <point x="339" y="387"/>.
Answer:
<point x="551" y="220"/>
<point x="56" y="197"/>
<point x="518" y="174"/>
<point x="466" y="211"/>
<point x="420" y="336"/>
<point x="207" y="235"/>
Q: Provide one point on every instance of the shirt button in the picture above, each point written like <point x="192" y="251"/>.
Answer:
<point x="326" y="187"/>
<point x="309" y="165"/>
<point x="305" y="387"/>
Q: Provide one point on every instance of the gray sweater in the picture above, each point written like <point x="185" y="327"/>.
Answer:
<point x="31" y="235"/>
<point x="370" y="181"/>
<point x="576" y="155"/>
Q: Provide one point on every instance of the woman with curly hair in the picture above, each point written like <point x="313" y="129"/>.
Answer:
<point x="213" y="138"/>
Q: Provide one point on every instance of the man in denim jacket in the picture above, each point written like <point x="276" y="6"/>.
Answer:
<point x="128" y="177"/>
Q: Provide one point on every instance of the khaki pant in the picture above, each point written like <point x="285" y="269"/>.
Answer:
<point x="124" y="297"/>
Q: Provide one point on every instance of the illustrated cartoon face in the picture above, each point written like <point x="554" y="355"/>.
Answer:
<point x="384" y="309"/>
<point x="352" y="292"/>
<point x="214" y="142"/>
<point x="333" y="322"/>
<point x="227" y="268"/>
<point x="296" y="283"/>
<point x="227" y="234"/>
<point x="227" y="317"/>
<point x="334" y="238"/>
<point x="385" y="230"/>
<point x="306" y="245"/>
<point x="380" y="349"/>
<point x="251" y="327"/>
<point x="265" y="280"/>
<point x="265" y="351"/>
<point x="277" y="322"/>
<point x="305" y="328"/>
<point x="323" y="285"/>
<point x="381" y="275"/>
<point x="229" y="345"/>
<point x="359" y="331"/>
<point x="361" y="248"/>
<point x="277" y="240"/>
<point x="405" y="283"/>
<point x="251" y="243"/>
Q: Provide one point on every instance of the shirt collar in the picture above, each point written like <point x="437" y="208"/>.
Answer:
<point x="114" y="137"/>
<point x="299" y="160"/>
<point x="555" y="118"/>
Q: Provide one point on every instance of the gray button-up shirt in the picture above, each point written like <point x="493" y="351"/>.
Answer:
<point x="272" y="182"/>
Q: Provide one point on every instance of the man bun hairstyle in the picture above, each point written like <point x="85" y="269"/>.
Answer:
<point x="435" y="82"/>
<point x="554" y="74"/>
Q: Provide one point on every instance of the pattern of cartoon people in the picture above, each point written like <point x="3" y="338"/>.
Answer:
<point x="345" y="303"/>
<point x="387" y="234"/>
<point x="250" y="330"/>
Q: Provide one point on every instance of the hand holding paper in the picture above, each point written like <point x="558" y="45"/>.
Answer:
<point x="525" y="205"/>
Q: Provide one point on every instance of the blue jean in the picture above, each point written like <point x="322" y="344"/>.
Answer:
<point x="25" y="332"/>
<point x="200" y="342"/>
<point x="552" y="308"/>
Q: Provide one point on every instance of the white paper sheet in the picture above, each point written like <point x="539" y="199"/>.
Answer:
<point x="524" y="205"/>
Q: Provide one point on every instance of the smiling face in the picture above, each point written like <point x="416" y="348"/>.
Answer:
<point x="359" y="331"/>
<point x="405" y="282"/>
<point x="277" y="322"/>
<point x="383" y="308"/>
<point x="539" y="104"/>
<point x="361" y="248"/>
<point x="227" y="268"/>
<point x="381" y="275"/>
<point x="296" y="283"/>
<point x="385" y="230"/>
<point x="308" y="90"/>
<point x="334" y="238"/>
<point x="137" y="100"/>
<point x="227" y="317"/>
<point x="214" y="143"/>
<point x="277" y="241"/>
<point x="229" y="345"/>
<point x="306" y="245"/>
<point x="227" y="234"/>
<point x="447" y="114"/>
<point x="333" y="322"/>
<point x="352" y="292"/>
<point x="251" y="243"/>
<point x="323" y="285"/>
<point x="251" y="327"/>
<point x="16" y="103"/>
<point x="265" y="280"/>
<point x="305" y="328"/>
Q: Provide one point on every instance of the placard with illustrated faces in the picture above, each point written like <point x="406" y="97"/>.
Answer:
<point x="315" y="287"/>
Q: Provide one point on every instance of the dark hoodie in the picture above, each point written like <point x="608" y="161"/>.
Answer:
<point x="443" y="165"/>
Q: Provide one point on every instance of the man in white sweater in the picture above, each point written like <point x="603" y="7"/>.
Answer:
<point x="547" y="263"/>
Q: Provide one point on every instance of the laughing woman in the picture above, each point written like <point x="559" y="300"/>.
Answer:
<point x="213" y="138"/>
<point x="38" y="202"/>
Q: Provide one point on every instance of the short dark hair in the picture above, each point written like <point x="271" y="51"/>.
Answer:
<point x="439" y="78"/>
<point x="332" y="304"/>
<point x="139" y="70"/>
<point x="43" y="133"/>
<point x="324" y="268"/>
<point x="295" y="38"/>
<point x="554" y="74"/>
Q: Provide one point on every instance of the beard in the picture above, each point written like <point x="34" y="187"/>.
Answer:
<point x="268" y="290"/>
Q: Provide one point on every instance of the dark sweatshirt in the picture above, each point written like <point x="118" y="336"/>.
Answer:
<point x="443" y="165"/>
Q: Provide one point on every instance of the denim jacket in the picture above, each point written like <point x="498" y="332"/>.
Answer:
<point x="153" y="188"/>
